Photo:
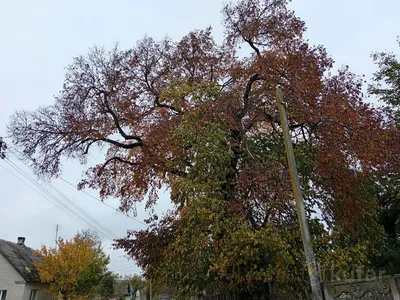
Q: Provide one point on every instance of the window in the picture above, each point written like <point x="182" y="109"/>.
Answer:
<point x="3" y="294"/>
<point x="34" y="294"/>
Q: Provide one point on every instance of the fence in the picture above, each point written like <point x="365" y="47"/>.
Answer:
<point x="215" y="297"/>
<point x="383" y="288"/>
<point x="387" y="287"/>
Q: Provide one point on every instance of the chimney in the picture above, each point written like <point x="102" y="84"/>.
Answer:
<point x="21" y="240"/>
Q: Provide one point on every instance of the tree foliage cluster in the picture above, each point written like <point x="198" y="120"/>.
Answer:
<point x="75" y="268"/>
<point x="386" y="87"/>
<point x="195" y="116"/>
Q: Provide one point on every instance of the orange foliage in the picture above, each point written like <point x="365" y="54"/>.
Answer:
<point x="72" y="269"/>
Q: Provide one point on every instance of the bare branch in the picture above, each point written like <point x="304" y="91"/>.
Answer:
<point x="247" y="90"/>
<point x="236" y="25"/>
<point x="121" y="145"/>
<point x="114" y="158"/>
<point x="246" y="94"/>
<point x="226" y="83"/>
<point x="173" y="108"/>
<point x="117" y="123"/>
<point x="89" y="144"/>
<point x="252" y="45"/>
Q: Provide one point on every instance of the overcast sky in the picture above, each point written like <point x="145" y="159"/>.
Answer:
<point x="39" y="38"/>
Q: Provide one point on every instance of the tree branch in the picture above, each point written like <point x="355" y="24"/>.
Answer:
<point x="248" y="41"/>
<point x="113" y="159"/>
<point x="117" y="123"/>
<point x="226" y="83"/>
<point x="158" y="104"/>
<point x="246" y="94"/>
<point x="247" y="90"/>
<point x="89" y="144"/>
<point x="121" y="145"/>
<point x="252" y="45"/>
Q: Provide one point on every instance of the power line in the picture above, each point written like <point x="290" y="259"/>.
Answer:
<point x="72" y="203"/>
<point x="44" y="196"/>
<point x="64" y="206"/>
<point x="124" y="268"/>
<point x="81" y="210"/>
<point x="27" y="184"/>
<point x="99" y="200"/>
<point x="83" y="191"/>
<point x="124" y="265"/>
<point x="60" y="204"/>
<point x="53" y="199"/>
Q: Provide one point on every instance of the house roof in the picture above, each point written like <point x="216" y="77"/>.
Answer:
<point x="21" y="258"/>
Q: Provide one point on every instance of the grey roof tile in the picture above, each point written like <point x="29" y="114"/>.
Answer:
<point x="21" y="258"/>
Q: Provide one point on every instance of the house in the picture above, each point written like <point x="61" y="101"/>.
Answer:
<point x="19" y="279"/>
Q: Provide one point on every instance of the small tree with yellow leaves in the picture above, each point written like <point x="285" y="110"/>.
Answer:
<point x="74" y="268"/>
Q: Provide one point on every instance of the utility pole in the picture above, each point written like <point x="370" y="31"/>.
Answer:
<point x="56" y="235"/>
<point x="151" y="291"/>
<point x="301" y="212"/>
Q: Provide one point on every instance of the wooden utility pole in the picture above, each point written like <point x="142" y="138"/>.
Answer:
<point x="301" y="212"/>
<point x="56" y="235"/>
<point x="151" y="291"/>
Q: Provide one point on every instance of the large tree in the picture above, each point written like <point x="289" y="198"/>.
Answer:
<point x="195" y="116"/>
<point x="74" y="269"/>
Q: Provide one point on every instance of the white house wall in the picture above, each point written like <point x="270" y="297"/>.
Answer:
<point x="11" y="280"/>
<point x="42" y="293"/>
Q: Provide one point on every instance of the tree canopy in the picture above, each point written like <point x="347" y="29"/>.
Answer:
<point x="386" y="80"/>
<point x="198" y="118"/>
<point x="74" y="269"/>
<point x="106" y="287"/>
<point x="386" y="87"/>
